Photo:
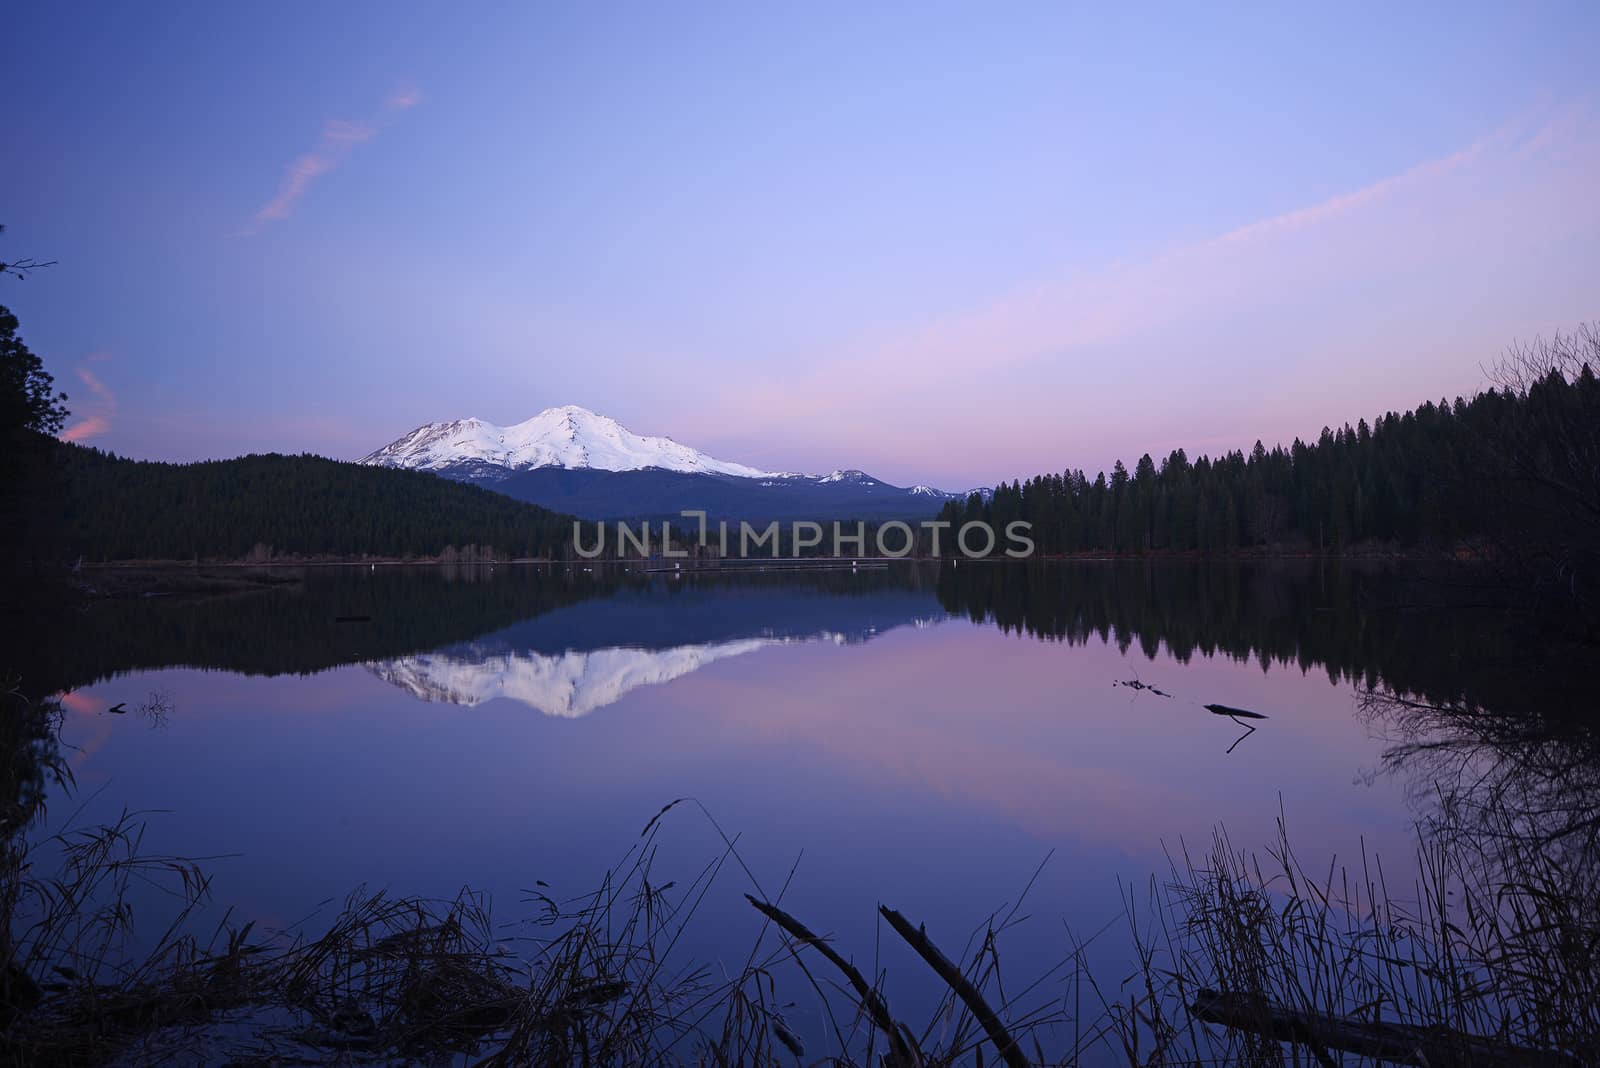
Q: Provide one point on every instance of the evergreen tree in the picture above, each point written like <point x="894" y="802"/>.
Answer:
<point x="28" y="401"/>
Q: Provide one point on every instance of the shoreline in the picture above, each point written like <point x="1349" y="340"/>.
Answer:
<point x="113" y="580"/>
<point x="728" y="563"/>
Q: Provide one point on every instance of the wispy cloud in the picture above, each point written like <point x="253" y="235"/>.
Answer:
<point x="404" y="98"/>
<point x="97" y="420"/>
<point x="339" y="138"/>
<point x="80" y="702"/>
<point x="1395" y="282"/>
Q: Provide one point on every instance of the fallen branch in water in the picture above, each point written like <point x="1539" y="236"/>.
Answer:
<point x="871" y="1000"/>
<point x="918" y="939"/>
<point x="1135" y="684"/>
<point x="1399" y="1043"/>
<point x="1233" y="713"/>
<point x="1238" y="715"/>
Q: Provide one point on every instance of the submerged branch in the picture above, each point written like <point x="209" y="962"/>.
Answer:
<point x="918" y="939"/>
<point x="872" y="1001"/>
<point x="1396" y="1043"/>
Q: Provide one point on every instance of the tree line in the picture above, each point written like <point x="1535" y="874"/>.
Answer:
<point x="1431" y="478"/>
<point x="265" y="507"/>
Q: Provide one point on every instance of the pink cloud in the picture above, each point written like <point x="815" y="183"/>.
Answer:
<point x="339" y="138"/>
<point x="344" y="132"/>
<point x="98" y="420"/>
<point x="1265" y="330"/>
<point x="89" y="427"/>
<point x="296" y="180"/>
<point x="1430" y="170"/>
<point x="80" y="702"/>
<point x="404" y="98"/>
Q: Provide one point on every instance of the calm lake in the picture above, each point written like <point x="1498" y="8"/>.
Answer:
<point x="935" y="738"/>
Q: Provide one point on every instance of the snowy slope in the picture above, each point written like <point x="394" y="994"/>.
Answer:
<point x="568" y="685"/>
<point x="569" y="437"/>
<point x="573" y="460"/>
<point x="575" y="682"/>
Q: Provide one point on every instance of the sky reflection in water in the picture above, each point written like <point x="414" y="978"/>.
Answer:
<point x="899" y="752"/>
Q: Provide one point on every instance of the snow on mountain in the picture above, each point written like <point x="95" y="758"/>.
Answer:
<point x="569" y="437"/>
<point x="616" y="467"/>
<point x="567" y="685"/>
<point x="576" y="682"/>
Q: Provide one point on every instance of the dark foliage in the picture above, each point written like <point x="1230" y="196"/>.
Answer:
<point x="30" y="411"/>
<point x="28" y="400"/>
<point x="273" y="506"/>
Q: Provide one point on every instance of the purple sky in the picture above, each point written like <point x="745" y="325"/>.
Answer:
<point x="945" y="244"/>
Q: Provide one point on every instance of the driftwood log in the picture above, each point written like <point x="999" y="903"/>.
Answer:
<point x="1429" y="1047"/>
<point x="918" y="939"/>
<point x="1233" y="713"/>
<point x="901" y="1052"/>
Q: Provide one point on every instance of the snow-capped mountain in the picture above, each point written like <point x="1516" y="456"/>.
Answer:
<point x="569" y="437"/>
<point x="567" y="685"/>
<point x="574" y="682"/>
<point x="576" y="461"/>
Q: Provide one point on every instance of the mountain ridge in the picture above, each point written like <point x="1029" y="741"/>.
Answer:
<point x="584" y="463"/>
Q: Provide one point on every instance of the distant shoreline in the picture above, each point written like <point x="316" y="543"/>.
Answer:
<point x="704" y="563"/>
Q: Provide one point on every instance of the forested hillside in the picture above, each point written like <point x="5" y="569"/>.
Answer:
<point x="1518" y="464"/>
<point x="117" y="509"/>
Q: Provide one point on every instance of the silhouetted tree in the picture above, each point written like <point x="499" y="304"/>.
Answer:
<point x="31" y="414"/>
<point x="28" y="400"/>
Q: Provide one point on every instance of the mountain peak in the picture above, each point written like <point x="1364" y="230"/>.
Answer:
<point x="568" y="436"/>
<point x="521" y="460"/>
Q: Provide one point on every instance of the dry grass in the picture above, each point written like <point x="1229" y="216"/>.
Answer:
<point x="604" y="979"/>
<point x="1484" y="951"/>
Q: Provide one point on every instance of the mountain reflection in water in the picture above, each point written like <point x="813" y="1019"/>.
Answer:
<point x="1360" y="624"/>
<point x="565" y="665"/>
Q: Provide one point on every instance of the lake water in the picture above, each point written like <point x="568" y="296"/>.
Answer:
<point x="931" y="738"/>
